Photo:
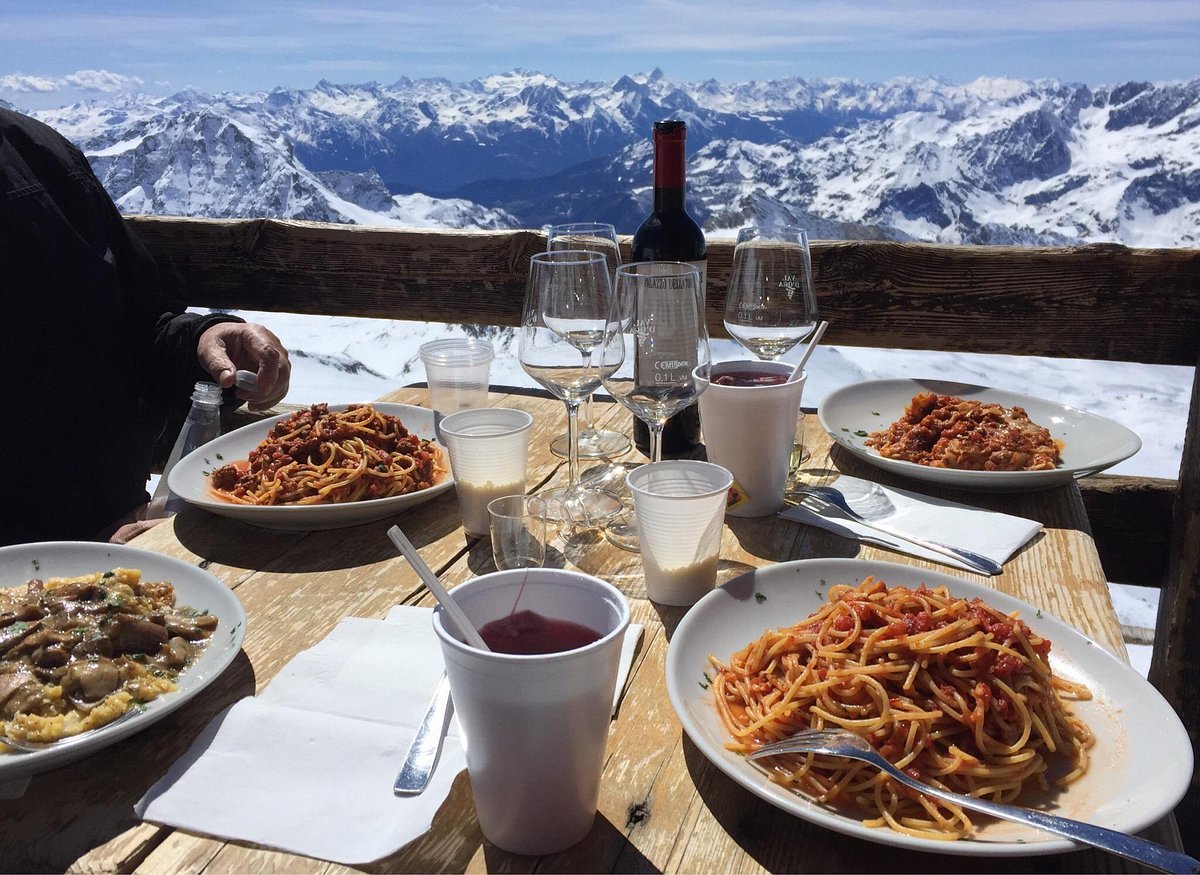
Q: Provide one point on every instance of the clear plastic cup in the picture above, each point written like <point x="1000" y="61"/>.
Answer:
<point x="489" y="456"/>
<point x="680" y="508"/>
<point x="751" y="430"/>
<point x="518" y="531"/>
<point x="458" y="370"/>
<point x="536" y="725"/>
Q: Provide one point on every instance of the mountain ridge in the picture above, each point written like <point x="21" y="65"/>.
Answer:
<point x="997" y="160"/>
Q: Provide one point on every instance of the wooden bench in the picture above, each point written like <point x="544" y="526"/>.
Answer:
<point x="1099" y="302"/>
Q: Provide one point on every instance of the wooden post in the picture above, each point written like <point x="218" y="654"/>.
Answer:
<point x="1175" y="666"/>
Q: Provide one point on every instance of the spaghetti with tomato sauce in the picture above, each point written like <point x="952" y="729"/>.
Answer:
<point x="953" y="692"/>
<point x="318" y="456"/>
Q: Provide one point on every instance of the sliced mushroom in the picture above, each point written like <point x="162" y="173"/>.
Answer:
<point x="132" y="635"/>
<point x="92" y="647"/>
<point x="189" y="627"/>
<point x="178" y="653"/>
<point x="51" y="656"/>
<point x="18" y="690"/>
<point x="20" y="614"/>
<point x="92" y="680"/>
<point x="13" y="635"/>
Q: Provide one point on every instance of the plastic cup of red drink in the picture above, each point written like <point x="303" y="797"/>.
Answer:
<point x="536" y="723"/>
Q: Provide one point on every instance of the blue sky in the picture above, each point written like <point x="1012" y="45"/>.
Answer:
<point x="54" y="52"/>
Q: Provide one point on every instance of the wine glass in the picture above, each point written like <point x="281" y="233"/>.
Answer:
<point x="599" y="237"/>
<point x="655" y="342"/>
<point x="770" y="305"/>
<point x="567" y="301"/>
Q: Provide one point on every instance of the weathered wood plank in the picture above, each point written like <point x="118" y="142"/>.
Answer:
<point x="1131" y="521"/>
<point x="1175" y="667"/>
<point x="1090" y="302"/>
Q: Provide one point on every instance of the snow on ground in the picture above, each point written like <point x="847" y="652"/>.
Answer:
<point x="343" y="359"/>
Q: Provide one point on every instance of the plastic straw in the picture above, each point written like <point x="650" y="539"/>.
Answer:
<point x="435" y="586"/>
<point x="812" y="344"/>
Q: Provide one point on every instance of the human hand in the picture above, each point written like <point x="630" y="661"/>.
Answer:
<point x="126" y="533"/>
<point x="227" y="346"/>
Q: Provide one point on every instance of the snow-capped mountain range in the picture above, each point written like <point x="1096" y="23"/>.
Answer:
<point x="994" y="161"/>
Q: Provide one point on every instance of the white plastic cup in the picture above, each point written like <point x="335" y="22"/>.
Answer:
<point x="680" y="507"/>
<point x="458" y="370"/>
<point x="535" y="725"/>
<point x="751" y="430"/>
<point x="489" y="456"/>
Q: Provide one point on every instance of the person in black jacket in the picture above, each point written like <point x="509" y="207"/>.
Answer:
<point x="95" y="352"/>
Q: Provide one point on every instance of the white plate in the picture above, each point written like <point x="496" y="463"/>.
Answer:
<point x="189" y="479"/>
<point x="1131" y="781"/>
<point x="1091" y="443"/>
<point x="194" y="588"/>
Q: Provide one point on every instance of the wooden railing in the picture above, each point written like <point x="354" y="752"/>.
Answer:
<point x="1093" y="302"/>
<point x="1100" y="302"/>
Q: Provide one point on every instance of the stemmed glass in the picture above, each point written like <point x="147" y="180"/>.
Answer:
<point x="655" y="342"/>
<point x="562" y="329"/>
<point x="594" y="443"/>
<point x="770" y="305"/>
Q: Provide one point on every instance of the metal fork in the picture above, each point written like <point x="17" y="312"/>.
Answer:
<point x="843" y="743"/>
<point x="830" y="498"/>
<point x="21" y="745"/>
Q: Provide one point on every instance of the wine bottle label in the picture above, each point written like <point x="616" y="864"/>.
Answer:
<point x="666" y="329"/>
<point x="701" y="265"/>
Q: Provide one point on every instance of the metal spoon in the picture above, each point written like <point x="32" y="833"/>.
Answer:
<point x="25" y="746"/>
<point x="828" y="497"/>
<point x="842" y="743"/>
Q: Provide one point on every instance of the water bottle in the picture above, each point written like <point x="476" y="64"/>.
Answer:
<point x="203" y="423"/>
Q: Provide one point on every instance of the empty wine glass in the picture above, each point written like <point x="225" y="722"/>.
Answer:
<point x="654" y="342"/>
<point x="594" y="443"/>
<point x="567" y="301"/>
<point x="770" y="305"/>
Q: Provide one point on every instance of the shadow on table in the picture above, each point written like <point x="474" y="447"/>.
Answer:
<point x="454" y="840"/>
<point x="84" y="804"/>
<point x="240" y="545"/>
<point x="781" y="842"/>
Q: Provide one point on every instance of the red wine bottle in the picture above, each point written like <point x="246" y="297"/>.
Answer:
<point x="670" y="234"/>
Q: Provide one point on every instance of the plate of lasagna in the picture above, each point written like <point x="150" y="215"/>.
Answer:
<point x="326" y="466"/>
<point x="972" y="437"/>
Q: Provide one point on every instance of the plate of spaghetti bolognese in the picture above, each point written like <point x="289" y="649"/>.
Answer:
<point x="972" y="437"/>
<point x="955" y="682"/>
<point x="325" y="466"/>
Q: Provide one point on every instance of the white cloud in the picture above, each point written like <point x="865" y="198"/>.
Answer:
<point x="21" y="82"/>
<point x="101" y="80"/>
<point x="87" y="80"/>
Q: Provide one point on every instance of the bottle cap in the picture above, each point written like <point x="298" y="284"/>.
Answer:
<point x="671" y="128"/>
<point x="206" y="393"/>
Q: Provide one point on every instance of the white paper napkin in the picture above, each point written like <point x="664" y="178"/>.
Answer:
<point x="308" y="766"/>
<point x="994" y="535"/>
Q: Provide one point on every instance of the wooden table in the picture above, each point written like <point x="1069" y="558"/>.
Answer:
<point x="663" y="806"/>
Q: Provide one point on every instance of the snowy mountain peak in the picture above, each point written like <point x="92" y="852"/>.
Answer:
<point x="994" y="160"/>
